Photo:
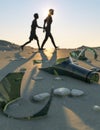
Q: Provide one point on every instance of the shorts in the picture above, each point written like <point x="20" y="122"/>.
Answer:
<point x="33" y="36"/>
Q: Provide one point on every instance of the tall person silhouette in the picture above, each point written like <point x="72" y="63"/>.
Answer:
<point x="47" y="29"/>
<point x="33" y="32"/>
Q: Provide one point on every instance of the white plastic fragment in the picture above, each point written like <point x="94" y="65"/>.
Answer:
<point x="96" y="108"/>
<point x="62" y="91"/>
<point x="37" y="78"/>
<point x="58" y="78"/>
<point x="41" y="96"/>
<point x="76" y="92"/>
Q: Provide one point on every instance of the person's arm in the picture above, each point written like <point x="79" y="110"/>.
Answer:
<point x="39" y="26"/>
<point x="44" y="24"/>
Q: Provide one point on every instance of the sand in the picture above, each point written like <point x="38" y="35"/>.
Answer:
<point x="65" y="113"/>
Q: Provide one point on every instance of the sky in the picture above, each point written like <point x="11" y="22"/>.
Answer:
<point x="75" y="22"/>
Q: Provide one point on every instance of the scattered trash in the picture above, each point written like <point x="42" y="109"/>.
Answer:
<point x="22" y="58"/>
<point x="58" y="78"/>
<point x="62" y="91"/>
<point x="23" y="115"/>
<point x="80" y="54"/>
<point x="37" y="78"/>
<point x="68" y="68"/>
<point x="9" y="89"/>
<point x="57" y="75"/>
<point x="41" y="96"/>
<point x="37" y="61"/>
<point x="96" y="108"/>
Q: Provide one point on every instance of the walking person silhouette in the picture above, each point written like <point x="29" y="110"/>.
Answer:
<point x="47" y="29"/>
<point x="33" y="32"/>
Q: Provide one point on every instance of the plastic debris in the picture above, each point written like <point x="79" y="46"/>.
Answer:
<point x="96" y="108"/>
<point x="41" y="112"/>
<point x="9" y="89"/>
<point x="22" y="58"/>
<point x="37" y="61"/>
<point x="68" y="68"/>
<point x="80" y="54"/>
<point x="58" y="78"/>
<point x="37" y="78"/>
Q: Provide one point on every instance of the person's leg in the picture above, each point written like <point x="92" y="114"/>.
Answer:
<point x="30" y="39"/>
<point x="22" y="46"/>
<point x="36" y="38"/>
<point x="52" y="39"/>
<point x="38" y="43"/>
<point x="44" y="41"/>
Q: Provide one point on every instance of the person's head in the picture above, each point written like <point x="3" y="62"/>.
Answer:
<point x="51" y="11"/>
<point x="36" y="16"/>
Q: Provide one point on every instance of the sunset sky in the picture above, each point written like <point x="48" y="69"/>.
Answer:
<point x="75" y="22"/>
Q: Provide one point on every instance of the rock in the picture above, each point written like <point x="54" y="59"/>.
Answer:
<point x="41" y="96"/>
<point x="62" y="91"/>
<point x="76" y="92"/>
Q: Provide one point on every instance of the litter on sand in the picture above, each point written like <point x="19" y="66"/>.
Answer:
<point x="37" y="61"/>
<point x="67" y="67"/>
<point x="37" y="78"/>
<point x="96" y="108"/>
<point x="58" y="78"/>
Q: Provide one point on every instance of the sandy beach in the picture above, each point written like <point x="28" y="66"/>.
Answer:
<point x="65" y="113"/>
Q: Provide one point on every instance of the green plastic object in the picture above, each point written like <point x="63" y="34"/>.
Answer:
<point x="10" y="88"/>
<point x="80" y="54"/>
<point x="68" y="68"/>
<point x="41" y="113"/>
<point x="10" y="92"/>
